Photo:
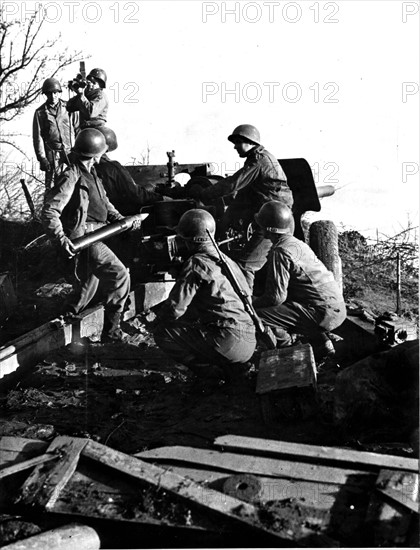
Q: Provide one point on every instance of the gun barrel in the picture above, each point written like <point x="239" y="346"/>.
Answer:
<point x="105" y="232"/>
<point x="325" y="191"/>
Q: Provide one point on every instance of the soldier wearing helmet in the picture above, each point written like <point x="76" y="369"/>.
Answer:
<point x="122" y="191"/>
<point x="301" y="295"/>
<point x="261" y="179"/>
<point x="77" y="205"/>
<point x="53" y="131"/>
<point x="203" y="323"/>
<point x="90" y="100"/>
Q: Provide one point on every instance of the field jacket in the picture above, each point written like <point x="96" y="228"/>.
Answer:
<point x="92" y="107"/>
<point x="295" y="274"/>
<point x="122" y="190"/>
<point x="53" y="130"/>
<point x="260" y="180"/>
<point x="203" y="290"/>
<point x="66" y="205"/>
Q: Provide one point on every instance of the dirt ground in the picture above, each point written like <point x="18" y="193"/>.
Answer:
<point x="132" y="397"/>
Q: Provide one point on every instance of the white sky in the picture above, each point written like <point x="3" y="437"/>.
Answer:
<point x="165" y="55"/>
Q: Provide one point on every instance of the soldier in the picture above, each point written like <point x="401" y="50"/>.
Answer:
<point x="122" y="191"/>
<point x="261" y="179"/>
<point x="77" y="205"/>
<point x="54" y="131"/>
<point x="203" y="323"/>
<point x="90" y="99"/>
<point x="301" y="295"/>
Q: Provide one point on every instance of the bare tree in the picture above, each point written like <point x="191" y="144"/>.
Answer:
<point x="26" y="59"/>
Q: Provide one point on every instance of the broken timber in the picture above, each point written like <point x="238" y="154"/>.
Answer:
<point x="44" y="485"/>
<point x="25" y="351"/>
<point x="273" y="448"/>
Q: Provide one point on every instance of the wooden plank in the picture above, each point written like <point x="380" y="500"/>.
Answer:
<point x="26" y="465"/>
<point x="8" y="299"/>
<point x="43" y="486"/>
<point x="237" y="511"/>
<point x="321" y="496"/>
<point x="388" y="517"/>
<point x="269" y="467"/>
<point x="24" y="351"/>
<point x="13" y="449"/>
<point x="292" y="367"/>
<point x="284" y="448"/>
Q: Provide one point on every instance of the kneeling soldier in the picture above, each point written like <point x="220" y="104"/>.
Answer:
<point x="301" y="295"/>
<point x="203" y="323"/>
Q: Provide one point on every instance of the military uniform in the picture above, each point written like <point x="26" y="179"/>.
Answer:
<point x="204" y="320"/>
<point x="260" y="180"/>
<point x="121" y="189"/>
<point x="92" y="107"/>
<point x="54" y="132"/>
<point x="77" y="205"/>
<point x="301" y="295"/>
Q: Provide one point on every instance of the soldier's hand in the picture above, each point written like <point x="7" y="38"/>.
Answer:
<point x="67" y="247"/>
<point x="136" y="224"/>
<point x="44" y="165"/>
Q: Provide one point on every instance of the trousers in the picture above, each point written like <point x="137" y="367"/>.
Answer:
<point x="98" y="265"/>
<point x="310" y="321"/>
<point x="192" y="344"/>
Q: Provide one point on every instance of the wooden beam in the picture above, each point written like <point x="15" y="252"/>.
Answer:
<point x="257" y="465"/>
<point x="232" y="509"/>
<point x="43" y="486"/>
<point x="268" y="447"/>
<point x="26" y="465"/>
<point x="26" y="350"/>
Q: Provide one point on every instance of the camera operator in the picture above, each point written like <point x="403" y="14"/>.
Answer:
<point x="90" y="100"/>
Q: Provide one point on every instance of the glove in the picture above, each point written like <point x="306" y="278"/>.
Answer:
<point x="44" y="165"/>
<point x="67" y="246"/>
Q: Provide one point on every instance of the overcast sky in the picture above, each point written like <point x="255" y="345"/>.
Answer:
<point x="333" y="82"/>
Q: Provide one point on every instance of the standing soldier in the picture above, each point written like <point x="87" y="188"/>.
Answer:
<point x="203" y="323"/>
<point x="54" y="131"/>
<point x="90" y="100"/>
<point x="261" y="179"/>
<point x="76" y="205"/>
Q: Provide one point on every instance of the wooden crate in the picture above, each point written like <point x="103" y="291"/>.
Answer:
<point x="286" y="383"/>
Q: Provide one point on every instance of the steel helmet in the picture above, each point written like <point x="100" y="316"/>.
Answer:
<point x="246" y="131"/>
<point x="275" y="217"/>
<point x="90" y="142"/>
<point x="51" y="85"/>
<point x="194" y="224"/>
<point x="100" y="75"/>
<point x="110" y="137"/>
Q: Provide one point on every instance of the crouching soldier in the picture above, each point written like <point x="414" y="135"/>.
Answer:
<point x="203" y="323"/>
<point x="261" y="179"/>
<point x="301" y="295"/>
<point x="76" y="205"/>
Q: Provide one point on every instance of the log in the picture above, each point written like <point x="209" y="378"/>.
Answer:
<point x="319" y="453"/>
<point x="323" y="239"/>
<point x="68" y="537"/>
